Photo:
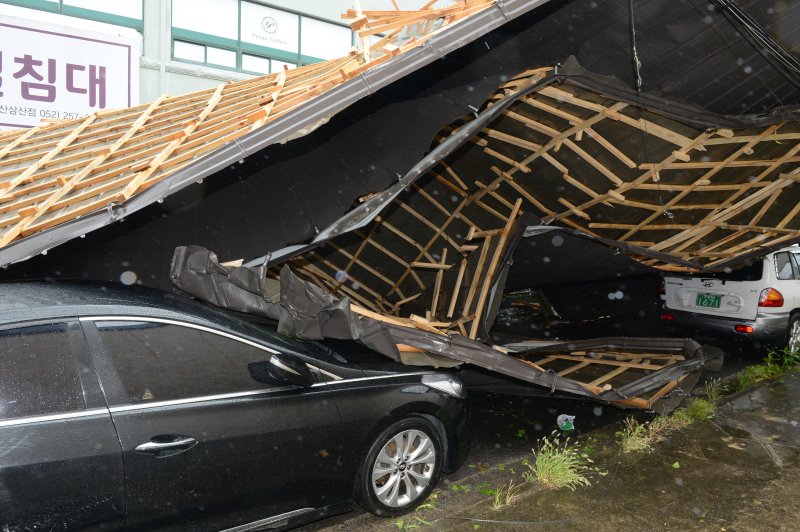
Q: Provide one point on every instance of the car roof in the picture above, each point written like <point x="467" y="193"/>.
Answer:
<point x="42" y="299"/>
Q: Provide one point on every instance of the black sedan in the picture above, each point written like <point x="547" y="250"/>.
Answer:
<point x="125" y="407"/>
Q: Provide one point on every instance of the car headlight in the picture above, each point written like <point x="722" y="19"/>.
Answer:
<point x="445" y="383"/>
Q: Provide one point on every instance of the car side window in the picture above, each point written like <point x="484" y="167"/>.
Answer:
<point x="38" y="375"/>
<point x="785" y="267"/>
<point x="163" y="361"/>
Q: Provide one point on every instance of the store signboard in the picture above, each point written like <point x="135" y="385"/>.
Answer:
<point x="269" y="27"/>
<point x="59" y="70"/>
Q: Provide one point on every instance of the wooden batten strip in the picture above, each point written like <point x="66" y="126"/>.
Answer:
<point x="27" y="224"/>
<point x="457" y="288"/>
<point x="141" y="177"/>
<point x="486" y="284"/>
<point x="476" y="277"/>
<point x="613" y="150"/>
<point x="398" y="232"/>
<point x="611" y="374"/>
<point x="29" y="172"/>
<point x="438" y="283"/>
<point x="353" y="259"/>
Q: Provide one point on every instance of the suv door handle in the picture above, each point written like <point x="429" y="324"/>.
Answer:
<point x="166" y="445"/>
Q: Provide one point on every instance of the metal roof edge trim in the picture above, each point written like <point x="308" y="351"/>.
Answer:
<point x="324" y="105"/>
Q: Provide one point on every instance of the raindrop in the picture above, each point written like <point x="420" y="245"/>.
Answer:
<point x="537" y="427"/>
<point x="355" y="286"/>
<point x="708" y="19"/>
<point x="618" y="294"/>
<point x="748" y="69"/>
<point x="546" y="259"/>
<point x="341" y="276"/>
<point x="125" y="264"/>
<point x="679" y="481"/>
<point x="597" y="411"/>
<point x="558" y="241"/>
<point x="127" y="277"/>
<point x="454" y="198"/>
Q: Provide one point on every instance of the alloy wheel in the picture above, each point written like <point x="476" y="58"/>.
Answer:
<point x="404" y="468"/>
<point x="794" y="336"/>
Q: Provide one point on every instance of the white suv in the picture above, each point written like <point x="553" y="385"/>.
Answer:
<point x="761" y="302"/>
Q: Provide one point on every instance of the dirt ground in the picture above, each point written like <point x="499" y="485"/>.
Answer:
<point x="739" y="471"/>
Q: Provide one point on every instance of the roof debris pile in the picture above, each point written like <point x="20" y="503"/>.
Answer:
<point x="424" y="261"/>
<point x="59" y="171"/>
<point x="674" y="194"/>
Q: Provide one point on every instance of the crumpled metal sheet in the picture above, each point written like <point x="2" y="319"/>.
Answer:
<point x="307" y="311"/>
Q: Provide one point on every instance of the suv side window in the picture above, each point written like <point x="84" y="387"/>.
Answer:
<point x="38" y="375"/>
<point x="785" y="267"/>
<point x="163" y="361"/>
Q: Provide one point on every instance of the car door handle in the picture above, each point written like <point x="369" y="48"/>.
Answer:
<point x="166" y="445"/>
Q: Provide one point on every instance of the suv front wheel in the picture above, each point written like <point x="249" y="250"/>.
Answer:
<point x="401" y="468"/>
<point x="793" y="333"/>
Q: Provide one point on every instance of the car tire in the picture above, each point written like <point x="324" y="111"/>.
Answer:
<point x="390" y="482"/>
<point x="793" y="333"/>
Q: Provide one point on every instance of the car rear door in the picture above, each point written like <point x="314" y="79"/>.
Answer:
<point x="208" y="438"/>
<point x="60" y="460"/>
<point x="787" y="278"/>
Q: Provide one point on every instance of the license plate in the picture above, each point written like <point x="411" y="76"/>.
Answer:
<point x="708" y="300"/>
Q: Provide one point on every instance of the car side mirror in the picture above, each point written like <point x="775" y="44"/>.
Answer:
<point x="290" y="371"/>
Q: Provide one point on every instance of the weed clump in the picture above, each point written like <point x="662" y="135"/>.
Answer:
<point x="506" y="495"/>
<point x="558" y="465"/>
<point x="776" y="364"/>
<point x="699" y="409"/>
<point x="636" y="436"/>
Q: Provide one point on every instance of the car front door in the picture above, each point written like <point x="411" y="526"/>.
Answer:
<point x="208" y="437"/>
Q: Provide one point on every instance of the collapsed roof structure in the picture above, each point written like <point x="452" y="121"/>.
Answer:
<point x="416" y="270"/>
<point x="552" y="152"/>
<point x="111" y="163"/>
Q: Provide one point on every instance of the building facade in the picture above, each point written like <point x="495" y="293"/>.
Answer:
<point x="189" y="45"/>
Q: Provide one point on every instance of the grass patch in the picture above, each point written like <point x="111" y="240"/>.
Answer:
<point x="714" y="390"/>
<point x="638" y="437"/>
<point x="699" y="409"/>
<point x="506" y="495"/>
<point x="558" y="465"/>
<point x="776" y="364"/>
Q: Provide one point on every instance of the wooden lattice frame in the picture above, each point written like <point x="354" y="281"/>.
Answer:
<point x="59" y="171"/>
<point x="431" y="260"/>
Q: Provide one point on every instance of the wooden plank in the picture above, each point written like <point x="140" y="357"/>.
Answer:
<point x="486" y="285"/>
<point x="29" y="172"/>
<point x="573" y="369"/>
<point x="431" y="265"/>
<point x="457" y="288"/>
<point x="476" y="278"/>
<point x="611" y="374"/>
<point x="437" y="284"/>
